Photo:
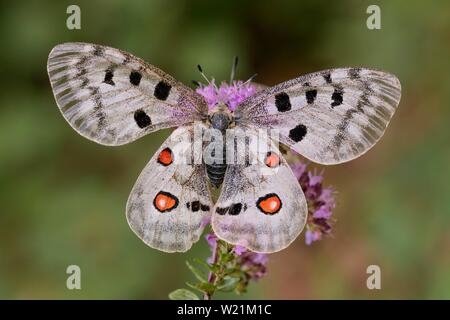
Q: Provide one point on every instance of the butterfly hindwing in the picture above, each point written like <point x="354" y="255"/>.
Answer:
<point x="330" y="116"/>
<point x="171" y="199"/>
<point x="262" y="206"/>
<point x="112" y="97"/>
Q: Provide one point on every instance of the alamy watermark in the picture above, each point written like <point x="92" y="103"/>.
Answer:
<point x="73" y="281"/>
<point x="374" y="280"/>
<point x="73" y="21"/>
<point x="373" y="22"/>
<point x="236" y="146"/>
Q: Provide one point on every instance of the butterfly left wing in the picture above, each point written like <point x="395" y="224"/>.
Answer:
<point x="262" y="206"/>
<point x="330" y="116"/>
<point x="113" y="98"/>
<point x="171" y="199"/>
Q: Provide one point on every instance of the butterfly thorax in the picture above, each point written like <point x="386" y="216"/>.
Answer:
<point x="220" y="118"/>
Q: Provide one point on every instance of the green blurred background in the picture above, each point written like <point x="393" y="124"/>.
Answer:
<point x="63" y="197"/>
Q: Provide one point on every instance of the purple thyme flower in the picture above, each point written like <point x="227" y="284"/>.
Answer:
<point x="298" y="168"/>
<point x="311" y="236"/>
<point x="229" y="94"/>
<point x="211" y="238"/>
<point x="239" y="250"/>
<point x="323" y="212"/>
<point x="320" y="202"/>
<point x="209" y="92"/>
<point x="254" y="265"/>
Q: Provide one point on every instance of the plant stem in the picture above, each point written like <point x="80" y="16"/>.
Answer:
<point x="211" y="276"/>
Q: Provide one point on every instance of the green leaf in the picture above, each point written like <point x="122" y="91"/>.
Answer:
<point x="228" y="284"/>
<point x="197" y="273"/>
<point x="183" y="294"/>
<point x="201" y="262"/>
<point x="194" y="286"/>
<point x="206" y="287"/>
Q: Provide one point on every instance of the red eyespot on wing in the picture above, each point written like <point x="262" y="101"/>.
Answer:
<point x="269" y="204"/>
<point x="272" y="160"/>
<point x="165" y="201"/>
<point x="165" y="157"/>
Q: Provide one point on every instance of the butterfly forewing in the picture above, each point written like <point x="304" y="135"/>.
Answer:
<point x="330" y="116"/>
<point x="112" y="97"/>
<point x="171" y="199"/>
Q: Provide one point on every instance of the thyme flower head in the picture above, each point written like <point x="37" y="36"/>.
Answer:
<point x="320" y="202"/>
<point x="252" y="265"/>
<point x="230" y="94"/>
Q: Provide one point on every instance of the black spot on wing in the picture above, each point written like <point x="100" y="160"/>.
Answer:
<point x="337" y="97"/>
<point x="327" y="77"/>
<point x="195" y="206"/>
<point x="126" y="60"/>
<point x="298" y="133"/>
<point x="109" y="74"/>
<point x="98" y="108"/>
<point x="221" y="211"/>
<point x="363" y="101"/>
<point x="354" y="73"/>
<point x="235" y="209"/>
<point x="98" y="51"/>
<point x="282" y="102"/>
<point x="204" y="207"/>
<point x="162" y="90"/>
<point x="81" y="63"/>
<point x="142" y="119"/>
<point x="135" y="78"/>
<point x="81" y="74"/>
<point x="84" y="82"/>
<point x="311" y="96"/>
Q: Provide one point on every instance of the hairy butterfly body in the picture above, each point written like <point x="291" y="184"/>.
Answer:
<point x="113" y="98"/>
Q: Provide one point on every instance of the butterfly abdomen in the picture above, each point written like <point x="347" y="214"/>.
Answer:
<point x="216" y="166"/>
<point x="216" y="173"/>
<point x="216" y="170"/>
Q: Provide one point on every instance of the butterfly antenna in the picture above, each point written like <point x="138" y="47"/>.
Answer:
<point x="250" y="79"/>
<point x="234" y="68"/>
<point x="203" y="75"/>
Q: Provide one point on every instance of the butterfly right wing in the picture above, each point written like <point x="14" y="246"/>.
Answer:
<point x="331" y="116"/>
<point x="171" y="198"/>
<point x="113" y="98"/>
